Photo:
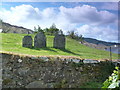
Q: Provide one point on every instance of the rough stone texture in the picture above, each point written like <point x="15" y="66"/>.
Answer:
<point x="40" y="40"/>
<point x="51" y="72"/>
<point x="27" y="41"/>
<point x="59" y="41"/>
<point x="0" y="71"/>
<point x="90" y="61"/>
<point x="36" y="84"/>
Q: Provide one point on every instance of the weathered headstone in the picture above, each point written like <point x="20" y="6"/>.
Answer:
<point x="40" y="40"/>
<point x="59" y="41"/>
<point x="27" y="41"/>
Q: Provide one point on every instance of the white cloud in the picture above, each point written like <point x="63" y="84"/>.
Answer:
<point x="64" y="18"/>
<point x="87" y="14"/>
<point x="100" y="33"/>
<point x="49" y="13"/>
<point x="110" y="6"/>
<point x="21" y="15"/>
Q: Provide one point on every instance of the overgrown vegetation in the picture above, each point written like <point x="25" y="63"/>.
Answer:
<point x="48" y="31"/>
<point x="114" y="80"/>
<point x="53" y="30"/>
<point x="73" y="35"/>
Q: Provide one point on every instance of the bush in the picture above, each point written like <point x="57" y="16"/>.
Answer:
<point x="52" y="30"/>
<point x="114" y="80"/>
<point x="49" y="31"/>
<point x="36" y="30"/>
<point x="75" y="36"/>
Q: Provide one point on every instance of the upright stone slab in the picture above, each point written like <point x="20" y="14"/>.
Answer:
<point x="40" y="40"/>
<point x="59" y="41"/>
<point x="27" y="41"/>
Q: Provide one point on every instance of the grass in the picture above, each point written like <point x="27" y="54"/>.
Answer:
<point x="13" y="43"/>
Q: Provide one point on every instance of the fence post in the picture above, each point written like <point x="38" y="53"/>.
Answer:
<point x="110" y="54"/>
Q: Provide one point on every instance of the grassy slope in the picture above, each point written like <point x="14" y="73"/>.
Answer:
<point x="13" y="43"/>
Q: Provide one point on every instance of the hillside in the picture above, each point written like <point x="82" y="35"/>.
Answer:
<point x="98" y="42"/>
<point x="13" y="43"/>
<point x="8" y="28"/>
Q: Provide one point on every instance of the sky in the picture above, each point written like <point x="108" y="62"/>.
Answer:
<point x="98" y="20"/>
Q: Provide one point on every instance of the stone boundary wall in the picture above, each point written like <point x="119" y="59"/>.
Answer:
<point x="51" y="72"/>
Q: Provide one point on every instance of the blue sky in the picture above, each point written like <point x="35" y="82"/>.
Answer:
<point x="91" y="19"/>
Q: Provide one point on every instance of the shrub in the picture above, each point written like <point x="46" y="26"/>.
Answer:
<point x="75" y="36"/>
<point x="114" y="80"/>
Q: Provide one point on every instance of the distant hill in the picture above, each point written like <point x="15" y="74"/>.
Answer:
<point x="98" y="42"/>
<point x="8" y="28"/>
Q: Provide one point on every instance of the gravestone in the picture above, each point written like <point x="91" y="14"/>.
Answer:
<point x="59" y="41"/>
<point x="40" y="40"/>
<point x="27" y="41"/>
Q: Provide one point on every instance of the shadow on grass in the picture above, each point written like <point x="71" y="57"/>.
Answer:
<point x="49" y="49"/>
<point x="68" y="51"/>
<point x="45" y="48"/>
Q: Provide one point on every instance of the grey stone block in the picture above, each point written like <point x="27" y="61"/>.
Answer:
<point x="27" y="41"/>
<point x="40" y="40"/>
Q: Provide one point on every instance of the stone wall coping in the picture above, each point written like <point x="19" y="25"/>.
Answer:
<point x="54" y="56"/>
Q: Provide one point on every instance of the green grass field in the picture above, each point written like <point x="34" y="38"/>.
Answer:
<point x="13" y="43"/>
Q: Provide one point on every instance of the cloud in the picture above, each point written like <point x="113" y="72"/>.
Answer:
<point x="29" y="16"/>
<point x="87" y="14"/>
<point x="110" y="6"/>
<point x="59" y="1"/>
<point x="21" y="13"/>
<point x="100" y="33"/>
<point x="66" y="19"/>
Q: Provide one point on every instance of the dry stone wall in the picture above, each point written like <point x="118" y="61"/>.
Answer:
<point x="51" y="72"/>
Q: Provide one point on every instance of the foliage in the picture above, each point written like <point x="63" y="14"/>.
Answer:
<point x="49" y="31"/>
<point x="75" y="36"/>
<point x="38" y="29"/>
<point x="114" y="80"/>
<point x="52" y="30"/>
<point x="46" y="30"/>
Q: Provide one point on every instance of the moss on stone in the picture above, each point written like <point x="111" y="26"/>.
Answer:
<point x="6" y="81"/>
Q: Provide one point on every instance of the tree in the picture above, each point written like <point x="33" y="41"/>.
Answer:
<point x="53" y="26"/>
<point x="74" y="35"/>
<point x="46" y="30"/>
<point x="35" y="29"/>
<point x="81" y="39"/>
<point x="39" y="29"/>
<point x="52" y="30"/>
